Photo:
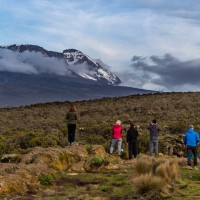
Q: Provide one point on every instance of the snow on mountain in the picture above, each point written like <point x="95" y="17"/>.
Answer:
<point x="70" y="62"/>
<point x="94" y="70"/>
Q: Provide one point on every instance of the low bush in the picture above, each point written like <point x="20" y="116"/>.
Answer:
<point x="97" y="161"/>
<point x="94" y="162"/>
<point x="46" y="180"/>
<point x="106" y="189"/>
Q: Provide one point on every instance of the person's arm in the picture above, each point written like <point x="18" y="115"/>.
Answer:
<point x="197" y="138"/>
<point x="185" y="140"/>
<point x="67" y="116"/>
<point x="137" y="133"/>
<point x="127" y="137"/>
<point x="112" y="130"/>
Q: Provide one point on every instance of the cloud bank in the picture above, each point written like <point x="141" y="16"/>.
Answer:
<point x="31" y="63"/>
<point x="165" y="73"/>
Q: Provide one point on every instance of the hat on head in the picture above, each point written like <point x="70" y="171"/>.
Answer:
<point x="154" y="121"/>
<point x="131" y="123"/>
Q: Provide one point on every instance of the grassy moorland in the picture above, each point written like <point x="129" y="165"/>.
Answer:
<point x="44" y="124"/>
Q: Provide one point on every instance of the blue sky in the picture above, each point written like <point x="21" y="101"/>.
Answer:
<point x="115" y="31"/>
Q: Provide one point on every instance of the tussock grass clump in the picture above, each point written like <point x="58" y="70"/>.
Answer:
<point x="167" y="170"/>
<point x="143" y="165"/>
<point x="154" y="175"/>
<point x="146" y="183"/>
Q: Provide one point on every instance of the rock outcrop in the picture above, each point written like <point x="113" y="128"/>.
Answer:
<point x="23" y="175"/>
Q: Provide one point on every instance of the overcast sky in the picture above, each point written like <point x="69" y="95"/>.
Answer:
<point x="150" y="44"/>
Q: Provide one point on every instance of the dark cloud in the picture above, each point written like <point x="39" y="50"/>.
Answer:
<point x="166" y="72"/>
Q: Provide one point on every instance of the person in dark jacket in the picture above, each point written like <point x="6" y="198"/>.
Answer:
<point x="153" y="143"/>
<point x="116" y="137"/>
<point x="131" y="141"/>
<point x="71" y="118"/>
<point x="191" y="140"/>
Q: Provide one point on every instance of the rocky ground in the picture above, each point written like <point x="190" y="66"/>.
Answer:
<point x="80" y="172"/>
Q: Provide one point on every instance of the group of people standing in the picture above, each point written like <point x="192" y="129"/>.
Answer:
<point x="132" y="138"/>
<point x="191" y="140"/>
<point x="191" y="137"/>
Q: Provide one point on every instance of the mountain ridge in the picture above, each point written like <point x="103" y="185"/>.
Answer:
<point x="72" y="57"/>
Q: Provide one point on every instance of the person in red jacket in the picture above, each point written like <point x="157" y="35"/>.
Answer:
<point x="116" y="137"/>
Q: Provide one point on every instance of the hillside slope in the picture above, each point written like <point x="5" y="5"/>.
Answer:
<point x="30" y="126"/>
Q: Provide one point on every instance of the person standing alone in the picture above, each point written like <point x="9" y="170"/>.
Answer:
<point x="191" y="140"/>
<point x="131" y="141"/>
<point x="71" y="118"/>
<point x="153" y="143"/>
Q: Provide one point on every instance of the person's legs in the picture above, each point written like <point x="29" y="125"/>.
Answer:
<point x="73" y="131"/>
<point x="135" y="152"/>
<point x="112" y="145"/>
<point x="189" y="155"/>
<point x="156" y="147"/>
<point x="194" y="151"/>
<point x="119" y="141"/>
<point x="130" y="150"/>
<point x="69" y="133"/>
<point x="150" y="147"/>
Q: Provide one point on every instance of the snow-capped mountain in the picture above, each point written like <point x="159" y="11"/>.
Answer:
<point x="29" y="74"/>
<point x="74" y="63"/>
<point x="95" y="71"/>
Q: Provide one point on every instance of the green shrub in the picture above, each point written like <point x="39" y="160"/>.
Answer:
<point x="97" y="161"/>
<point x="25" y="140"/>
<point x="106" y="188"/>
<point x="143" y="142"/>
<point x="88" y="148"/>
<point x="3" y="146"/>
<point x="46" y="180"/>
<point x="95" y="139"/>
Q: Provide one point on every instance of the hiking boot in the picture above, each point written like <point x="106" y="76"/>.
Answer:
<point x="189" y="167"/>
<point x="74" y="143"/>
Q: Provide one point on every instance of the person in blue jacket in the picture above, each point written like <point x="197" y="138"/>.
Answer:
<point x="190" y="140"/>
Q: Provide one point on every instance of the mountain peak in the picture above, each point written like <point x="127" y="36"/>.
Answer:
<point x="75" y="61"/>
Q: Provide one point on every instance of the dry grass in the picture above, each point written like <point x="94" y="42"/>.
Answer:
<point x="168" y="170"/>
<point x="146" y="183"/>
<point x="143" y="165"/>
<point x="154" y="175"/>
